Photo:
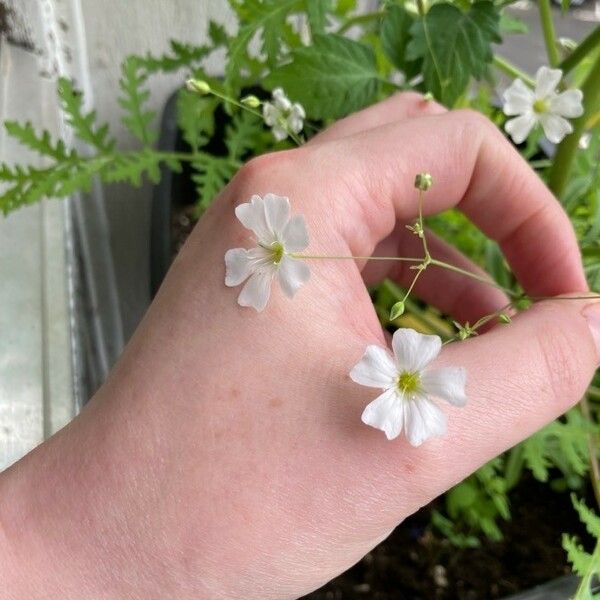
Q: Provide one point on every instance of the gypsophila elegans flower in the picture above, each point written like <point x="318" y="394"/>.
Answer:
<point x="543" y="105"/>
<point x="278" y="236"/>
<point x="408" y="386"/>
<point x="283" y="117"/>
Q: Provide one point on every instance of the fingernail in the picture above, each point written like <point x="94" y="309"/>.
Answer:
<point x="592" y="315"/>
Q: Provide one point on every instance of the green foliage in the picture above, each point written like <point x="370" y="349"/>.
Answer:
<point x="395" y="37"/>
<point x="454" y="46"/>
<point x="584" y="564"/>
<point x="196" y="118"/>
<point x="182" y="55"/>
<point x="83" y="124"/>
<point x="137" y="119"/>
<point x="242" y="134"/>
<point x="43" y="144"/>
<point x="331" y="78"/>
<point x="211" y="173"/>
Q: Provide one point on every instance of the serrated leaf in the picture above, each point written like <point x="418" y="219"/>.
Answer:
<point x="43" y="144"/>
<point x="182" y="55"/>
<point x="395" y="35"/>
<point x="195" y="118"/>
<point x="217" y="34"/>
<point x="241" y="134"/>
<point x="454" y="46"/>
<point x="268" y="18"/>
<point x="133" y="99"/>
<point x="332" y="78"/>
<point x="83" y="124"/>
<point x="211" y="174"/>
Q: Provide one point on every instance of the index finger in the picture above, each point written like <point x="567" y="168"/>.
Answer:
<point x="475" y="169"/>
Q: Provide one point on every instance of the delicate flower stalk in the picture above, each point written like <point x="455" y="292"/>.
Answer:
<point x="278" y="237"/>
<point x="543" y="105"/>
<point x="408" y="386"/>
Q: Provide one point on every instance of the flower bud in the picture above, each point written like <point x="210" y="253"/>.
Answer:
<point x="423" y="181"/>
<point x="250" y="101"/>
<point x="397" y="310"/>
<point x="504" y="318"/>
<point x="198" y="86"/>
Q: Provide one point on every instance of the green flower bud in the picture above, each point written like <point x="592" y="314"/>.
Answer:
<point x="428" y="97"/>
<point x="198" y="86"/>
<point x="397" y="310"/>
<point x="423" y="181"/>
<point x="250" y="101"/>
<point x="504" y="318"/>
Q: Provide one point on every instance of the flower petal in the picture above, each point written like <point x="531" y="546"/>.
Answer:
<point x="447" y="383"/>
<point x="252" y="216"/>
<point x="279" y="133"/>
<point x="270" y="114"/>
<point x="238" y="266"/>
<point x="423" y="419"/>
<point x="280" y="100"/>
<point x="546" y="81"/>
<point x="414" y="350"/>
<point x="519" y="128"/>
<point x="277" y="211"/>
<point x="375" y="369"/>
<point x="292" y="274"/>
<point x="295" y="234"/>
<point x="386" y="412"/>
<point x="555" y="127"/>
<point x="257" y="290"/>
<point x="567" y="104"/>
<point x="518" y="99"/>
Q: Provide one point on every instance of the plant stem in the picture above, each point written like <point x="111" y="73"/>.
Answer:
<point x="565" y="154"/>
<point x="488" y="281"/>
<point x="549" y="33"/>
<point x="581" y="51"/>
<point x="513" y="71"/>
<point x="593" y="448"/>
<point x="350" y="257"/>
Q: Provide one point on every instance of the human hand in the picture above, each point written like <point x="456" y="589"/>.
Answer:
<point x="225" y="456"/>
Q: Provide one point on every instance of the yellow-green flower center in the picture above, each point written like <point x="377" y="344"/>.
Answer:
<point x="277" y="252"/>
<point x="540" y="106"/>
<point x="408" y="383"/>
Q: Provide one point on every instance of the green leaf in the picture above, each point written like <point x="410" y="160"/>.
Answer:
<point x="211" y="174"/>
<point x="509" y="24"/>
<point x="316" y="11"/>
<point x="182" y="55"/>
<point x="217" y="34"/>
<point x="137" y="118"/>
<point x="454" y="46"/>
<point x="195" y="118"/>
<point x="587" y="516"/>
<point x="83" y="124"/>
<point x="268" y="17"/>
<point x="43" y="144"/>
<point x="332" y="78"/>
<point x="241" y="134"/>
<point x="395" y="35"/>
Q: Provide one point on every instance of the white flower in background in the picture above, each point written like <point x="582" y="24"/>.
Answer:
<point x="408" y="386"/>
<point x="282" y="116"/>
<point x="543" y="105"/>
<point x="278" y="238"/>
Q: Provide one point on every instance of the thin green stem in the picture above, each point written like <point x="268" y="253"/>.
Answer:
<point x="581" y="51"/>
<point x="235" y="102"/>
<point x="567" y="149"/>
<point x="586" y="411"/>
<point x="351" y="257"/>
<point x="486" y="280"/>
<point x="513" y="71"/>
<point x="548" y="31"/>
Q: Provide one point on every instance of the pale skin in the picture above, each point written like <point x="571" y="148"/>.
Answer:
<point x="225" y="456"/>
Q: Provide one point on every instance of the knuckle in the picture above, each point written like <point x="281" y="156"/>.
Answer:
<point x="475" y="124"/>
<point x="560" y="369"/>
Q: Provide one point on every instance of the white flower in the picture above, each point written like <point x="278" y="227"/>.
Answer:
<point x="543" y="105"/>
<point x="408" y="386"/>
<point x="282" y="116"/>
<point x="278" y="238"/>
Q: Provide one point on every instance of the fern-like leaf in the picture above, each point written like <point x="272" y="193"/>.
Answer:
<point x="195" y="117"/>
<point x="211" y="174"/>
<point x="40" y="143"/>
<point x="181" y="56"/>
<point x="137" y="118"/>
<point x="83" y="124"/>
<point x="241" y="134"/>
